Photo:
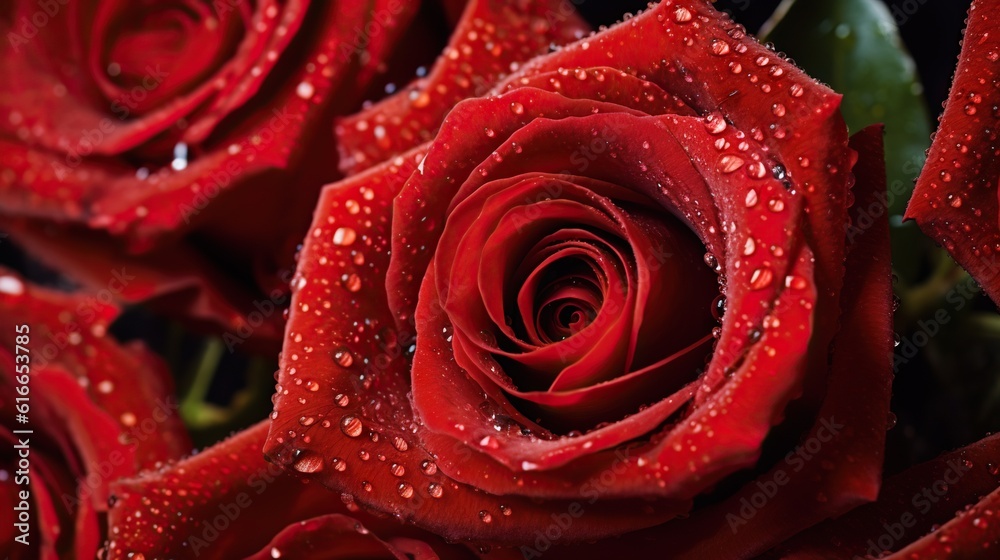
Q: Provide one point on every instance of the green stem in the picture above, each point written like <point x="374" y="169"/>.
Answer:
<point x="192" y="407"/>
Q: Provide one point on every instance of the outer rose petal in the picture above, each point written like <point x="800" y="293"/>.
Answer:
<point x="490" y="39"/>
<point x="227" y="502"/>
<point x="339" y="537"/>
<point x="957" y="493"/>
<point x="955" y="200"/>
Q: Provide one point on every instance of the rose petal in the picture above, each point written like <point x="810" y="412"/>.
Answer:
<point x="177" y="281"/>
<point x="955" y="199"/>
<point x="959" y="493"/>
<point x="130" y="384"/>
<point x="490" y="39"/>
<point x="335" y="537"/>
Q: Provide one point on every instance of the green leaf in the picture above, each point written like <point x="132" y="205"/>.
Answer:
<point x="854" y="47"/>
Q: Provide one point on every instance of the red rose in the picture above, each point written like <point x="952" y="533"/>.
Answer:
<point x="506" y="335"/>
<point x="148" y="122"/>
<point x="120" y="126"/>
<point x="96" y="411"/>
<point x="955" y="200"/>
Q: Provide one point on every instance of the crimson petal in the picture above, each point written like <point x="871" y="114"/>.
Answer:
<point x="955" y="199"/>
<point x="490" y="39"/>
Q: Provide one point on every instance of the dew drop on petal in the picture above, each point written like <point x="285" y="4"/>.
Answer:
<point x="730" y="163"/>
<point x="719" y="47"/>
<point x="761" y="278"/>
<point x="351" y="426"/>
<point x="308" y="462"/>
<point x="305" y="90"/>
<point x="343" y="357"/>
<point x="344" y="236"/>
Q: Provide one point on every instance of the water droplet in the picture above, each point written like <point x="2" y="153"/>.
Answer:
<point x="485" y="516"/>
<point x="305" y="90"/>
<point x="682" y="15"/>
<point x="428" y="467"/>
<point x="751" y="200"/>
<point x="308" y="462"/>
<point x="756" y="170"/>
<point x="400" y="444"/>
<point x="344" y="236"/>
<point x="343" y="357"/>
<point x="720" y="47"/>
<point x="307" y="420"/>
<point x="435" y="490"/>
<point x="397" y="470"/>
<point x="405" y="490"/>
<point x="715" y="123"/>
<point x="352" y="283"/>
<point x="749" y="247"/>
<point x="761" y="278"/>
<point x="712" y="262"/>
<point x="778" y="109"/>
<point x="719" y="307"/>
<point x="180" y="161"/>
<point x="730" y="163"/>
<point x="12" y="286"/>
<point x="776" y="205"/>
<point x="517" y="108"/>
<point x="352" y="426"/>
<point x="796" y="282"/>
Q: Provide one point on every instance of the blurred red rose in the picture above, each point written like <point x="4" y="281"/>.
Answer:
<point x="127" y="125"/>
<point x="97" y="410"/>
